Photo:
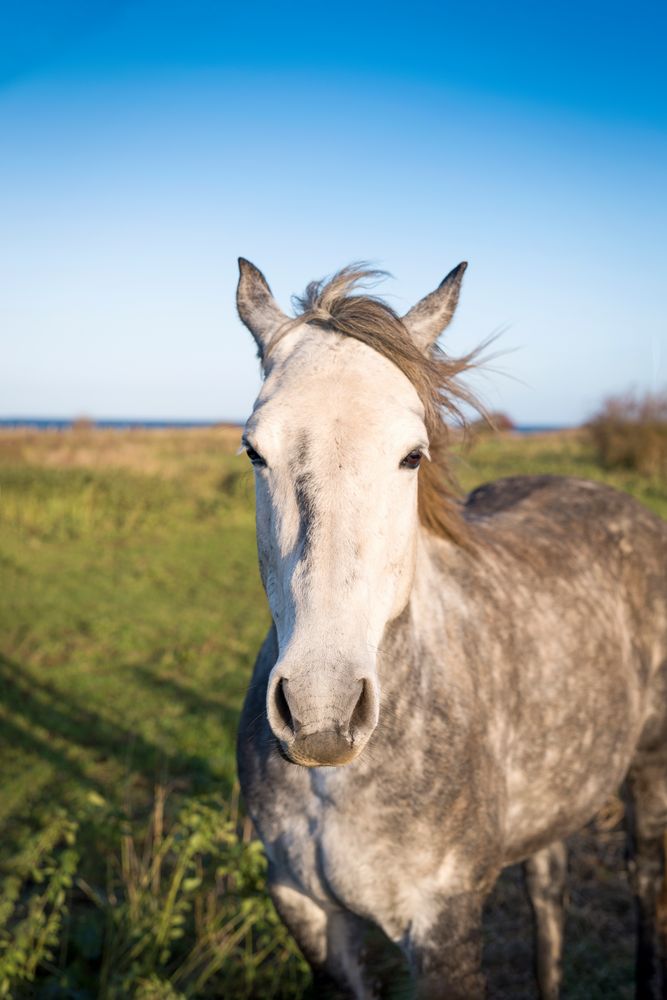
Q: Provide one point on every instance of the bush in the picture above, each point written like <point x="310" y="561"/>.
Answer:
<point x="181" y="910"/>
<point x="630" y="432"/>
<point x="33" y="903"/>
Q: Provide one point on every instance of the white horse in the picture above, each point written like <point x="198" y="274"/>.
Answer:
<point x="446" y="689"/>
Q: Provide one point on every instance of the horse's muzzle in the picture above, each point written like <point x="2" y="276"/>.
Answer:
<point x="327" y="736"/>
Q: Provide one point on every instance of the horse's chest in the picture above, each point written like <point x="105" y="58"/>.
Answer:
<point x="348" y="851"/>
<point x="359" y="865"/>
<point x="336" y="849"/>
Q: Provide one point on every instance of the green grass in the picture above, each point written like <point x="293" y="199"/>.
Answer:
<point x="131" y="614"/>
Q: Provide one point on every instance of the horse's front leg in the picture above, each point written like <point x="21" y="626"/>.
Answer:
<point x="331" y="940"/>
<point x="446" y="950"/>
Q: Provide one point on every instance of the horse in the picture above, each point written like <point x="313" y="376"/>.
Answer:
<point x="447" y="687"/>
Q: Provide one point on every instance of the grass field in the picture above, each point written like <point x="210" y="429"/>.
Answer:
<point x="131" y="614"/>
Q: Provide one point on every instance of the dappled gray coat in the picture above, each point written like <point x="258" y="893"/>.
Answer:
<point x="445" y="689"/>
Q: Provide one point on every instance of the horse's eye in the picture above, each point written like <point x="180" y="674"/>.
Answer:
<point x="254" y="456"/>
<point x="412" y="460"/>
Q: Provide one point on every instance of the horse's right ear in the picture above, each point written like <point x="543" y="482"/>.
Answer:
<point x="257" y="307"/>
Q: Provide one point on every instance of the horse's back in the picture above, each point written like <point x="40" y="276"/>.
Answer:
<point x="566" y="498"/>
<point x="589" y="543"/>
<point x="563" y="520"/>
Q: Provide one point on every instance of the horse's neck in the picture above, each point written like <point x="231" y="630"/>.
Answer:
<point x="414" y="641"/>
<point x="427" y="684"/>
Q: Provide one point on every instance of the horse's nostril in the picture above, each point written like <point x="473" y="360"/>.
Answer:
<point x="363" y="716"/>
<point x="281" y="706"/>
<point x="325" y="726"/>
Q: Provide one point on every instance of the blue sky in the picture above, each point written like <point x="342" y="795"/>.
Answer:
<point x="144" y="146"/>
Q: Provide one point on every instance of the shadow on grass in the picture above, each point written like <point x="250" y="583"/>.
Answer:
<point x="196" y="704"/>
<point x="78" y="743"/>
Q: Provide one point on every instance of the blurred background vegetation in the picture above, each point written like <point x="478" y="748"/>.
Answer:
<point x="132" y="611"/>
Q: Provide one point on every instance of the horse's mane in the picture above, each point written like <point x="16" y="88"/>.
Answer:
<point x="334" y="305"/>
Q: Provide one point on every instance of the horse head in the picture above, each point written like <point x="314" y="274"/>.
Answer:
<point x="348" y="412"/>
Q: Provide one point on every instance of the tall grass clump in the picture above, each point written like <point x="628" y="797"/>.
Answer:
<point x="630" y="432"/>
<point x="179" y="910"/>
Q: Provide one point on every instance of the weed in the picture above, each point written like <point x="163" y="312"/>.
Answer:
<point x="181" y="911"/>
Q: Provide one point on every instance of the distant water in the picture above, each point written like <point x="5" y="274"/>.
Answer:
<point x="541" y="428"/>
<point x="47" y="424"/>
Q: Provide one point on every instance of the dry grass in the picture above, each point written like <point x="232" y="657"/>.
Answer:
<point x="163" y="452"/>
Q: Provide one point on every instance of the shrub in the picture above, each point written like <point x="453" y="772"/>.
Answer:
<point x="630" y="432"/>
<point x="181" y="910"/>
<point x="33" y="903"/>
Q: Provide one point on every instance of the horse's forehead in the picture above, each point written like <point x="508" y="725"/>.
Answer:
<point x="337" y="379"/>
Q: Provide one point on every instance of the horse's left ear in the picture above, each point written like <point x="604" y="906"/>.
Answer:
<point x="257" y="307"/>
<point x="426" y="321"/>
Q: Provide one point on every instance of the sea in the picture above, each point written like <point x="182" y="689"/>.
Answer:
<point x="64" y="424"/>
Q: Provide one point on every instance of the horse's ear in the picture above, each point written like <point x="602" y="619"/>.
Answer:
<point x="426" y="321"/>
<point x="257" y="307"/>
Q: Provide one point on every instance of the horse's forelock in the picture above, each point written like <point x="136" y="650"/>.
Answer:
<point x="335" y="305"/>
